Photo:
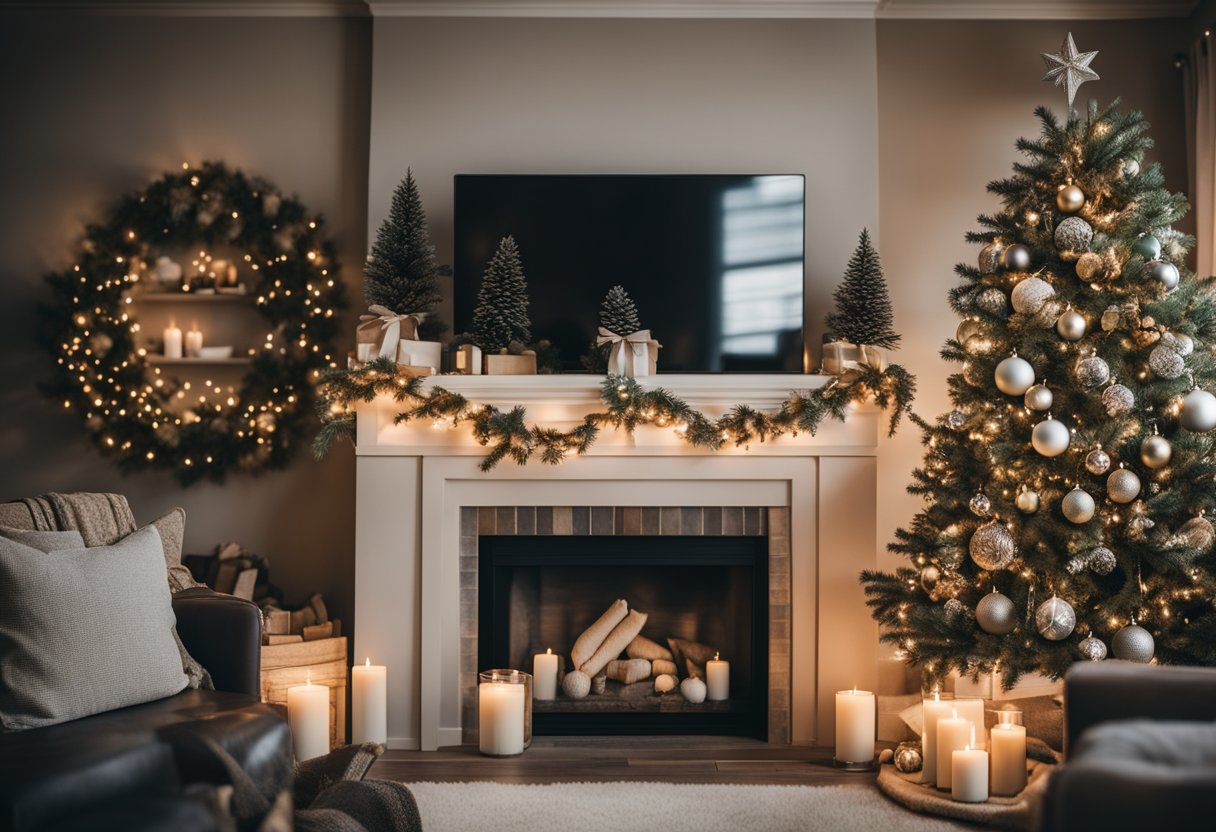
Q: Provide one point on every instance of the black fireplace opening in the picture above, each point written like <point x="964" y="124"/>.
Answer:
<point x="541" y="592"/>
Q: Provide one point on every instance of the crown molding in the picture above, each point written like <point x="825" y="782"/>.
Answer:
<point x="1033" y="9"/>
<point x="736" y="9"/>
<point x="194" y="8"/>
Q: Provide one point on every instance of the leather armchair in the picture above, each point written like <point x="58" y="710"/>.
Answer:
<point x="224" y="634"/>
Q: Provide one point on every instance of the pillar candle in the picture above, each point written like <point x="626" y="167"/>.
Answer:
<point x="173" y="341"/>
<point x="194" y="341"/>
<point x="369" y="703"/>
<point x="969" y="773"/>
<point x="931" y="711"/>
<point x="971" y="708"/>
<point x="1008" y="752"/>
<point x="717" y="679"/>
<point x="544" y="674"/>
<point x="500" y="708"/>
<point x="308" y="717"/>
<point x="855" y="723"/>
<point x="953" y="733"/>
<point x="420" y="353"/>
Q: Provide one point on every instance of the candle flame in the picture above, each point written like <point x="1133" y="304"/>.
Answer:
<point x="972" y="736"/>
<point x="308" y="680"/>
<point x="716" y="656"/>
<point x="549" y="652"/>
<point x="194" y="326"/>
<point x="967" y="747"/>
<point x="954" y="713"/>
<point x="367" y="662"/>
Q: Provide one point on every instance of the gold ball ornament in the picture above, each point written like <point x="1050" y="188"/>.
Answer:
<point x="929" y="577"/>
<point x="1039" y="397"/>
<point x="967" y="330"/>
<point x="1092" y="648"/>
<point x="1070" y="199"/>
<point x="1123" y="485"/>
<point x="1156" y="451"/>
<point x="993" y="301"/>
<point x="1078" y="506"/>
<point x="1055" y="619"/>
<point x="992" y="546"/>
<point x="1089" y="266"/>
<point x="1050" y="437"/>
<point x="908" y="758"/>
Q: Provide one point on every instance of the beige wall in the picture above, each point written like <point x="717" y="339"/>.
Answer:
<point x="94" y="106"/>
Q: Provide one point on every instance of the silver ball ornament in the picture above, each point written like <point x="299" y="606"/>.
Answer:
<point x="1039" y="397"/>
<point x="1050" y="437"/>
<point x="992" y="547"/>
<point x="1073" y="236"/>
<point x="990" y="257"/>
<point x="1198" y="413"/>
<point x="1071" y="325"/>
<point x="1078" y="506"/>
<point x="1014" y="375"/>
<point x="996" y="614"/>
<point x="1097" y="461"/>
<point x="1165" y="362"/>
<point x="1133" y="644"/>
<point x="1092" y="372"/>
<point x="1118" y="399"/>
<point x="929" y="577"/>
<point x="1055" y="619"/>
<point x="1089" y="266"/>
<point x="1028" y="501"/>
<point x="1070" y="199"/>
<point x="1029" y="295"/>
<point x="1155" y="451"/>
<point x="992" y="300"/>
<point x="1123" y="485"/>
<point x="956" y="419"/>
<point x="1092" y="648"/>
<point x="980" y="505"/>
<point x="1016" y="258"/>
<point x="1130" y="167"/>
<point x="1147" y="246"/>
<point x="1163" y="272"/>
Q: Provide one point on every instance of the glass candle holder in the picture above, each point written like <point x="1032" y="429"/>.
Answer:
<point x="504" y="712"/>
<point x="856" y="716"/>
<point x="1007" y="747"/>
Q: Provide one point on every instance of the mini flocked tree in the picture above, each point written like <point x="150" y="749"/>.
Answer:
<point x="619" y="315"/>
<point x="401" y="273"/>
<point x="863" y="312"/>
<point x="1066" y="490"/>
<point x="501" y="314"/>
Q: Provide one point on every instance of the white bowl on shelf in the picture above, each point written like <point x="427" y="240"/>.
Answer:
<point x="215" y="353"/>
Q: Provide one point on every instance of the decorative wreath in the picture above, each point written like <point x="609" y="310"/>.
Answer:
<point x="147" y="419"/>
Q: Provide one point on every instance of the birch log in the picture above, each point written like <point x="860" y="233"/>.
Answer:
<point x="617" y="641"/>
<point x="591" y="639"/>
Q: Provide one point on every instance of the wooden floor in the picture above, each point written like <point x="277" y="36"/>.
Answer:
<point x="666" y="759"/>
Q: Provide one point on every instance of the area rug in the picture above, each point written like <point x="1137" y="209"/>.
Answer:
<point x="662" y="807"/>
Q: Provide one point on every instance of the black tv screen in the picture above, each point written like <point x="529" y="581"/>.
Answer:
<point x="713" y="262"/>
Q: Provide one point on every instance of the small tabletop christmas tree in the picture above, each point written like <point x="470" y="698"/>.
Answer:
<point x="401" y="274"/>
<point x="863" y="313"/>
<point x="1067" y="488"/>
<point x="501" y="314"/>
<point x="618" y="314"/>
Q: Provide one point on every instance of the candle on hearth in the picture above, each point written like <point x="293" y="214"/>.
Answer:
<point x="1008" y="751"/>
<point x="969" y="774"/>
<point x="856" y="715"/>
<point x="953" y="733"/>
<point x="717" y="679"/>
<point x="194" y="341"/>
<point x="173" y="340"/>
<point x="501" y="707"/>
<point x="971" y="708"/>
<point x="308" y="717"/>
<point x="544" y="674"/>
<point x="369" y="703"/>
<point x="931" y="711"/>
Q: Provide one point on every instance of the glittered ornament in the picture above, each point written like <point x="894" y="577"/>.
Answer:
<point x="1165" y="362"/>
<point x="992" y="546"/>
<point x="1092" y="372"/>
<point x="1099" y="560"/>
<point x="1089" y="266"/>
<point x="1028" y="501"/>
<point x="929" y="577"/>
<point x="1129" y="168"/>
<point x="1123" y="485"/>
<point x="955" y="609"/>
<point x="990" y="257"/>
<point x="1163" y="272"/>
<point x="1073" y="236"/>
<point x="1118" y="399"/>
<point x="1179" y="342"/>
<point x="1147" y="246"/>
<point x="1016" y="258"/>
<point x="996" y="614"/>
<point x="1039" y="397"/>
<point x="1029" y="295"/>
<point x="1014" y="375"/>
<point x="1055" y="619"/>
<point x="980" y="505"/>
<point x="1097" y="461"/>
<point x="1198" y="413"/>
<point x="956" y="419"/>
<point x="1071" y="325"/>
<point x="908" y="758"/>
<point x="1112" y="318"/>
<point x="1133" y="644"/>
<point x="1050" y="437"/>
<point x="1155" y="451"/>
<point x="1092" y="648"/>
<point x="950" y="555"/>
<point x="992" y="300"/>
<point x="1078" y="507"/>
<point x="1196" y="533"/>
<point x="1070" y="199"/>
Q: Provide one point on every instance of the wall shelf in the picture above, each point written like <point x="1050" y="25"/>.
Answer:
<point x="235" y="361"/>
<point x="189" y="297"/>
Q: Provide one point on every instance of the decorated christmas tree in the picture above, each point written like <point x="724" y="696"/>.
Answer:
<point x="1066" y="489"/>
<point x="501" y="314"/>
<point x="401" y="274"/>
<point x="863" y="312"/>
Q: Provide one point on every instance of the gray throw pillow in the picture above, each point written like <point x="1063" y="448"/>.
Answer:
<point x="44" y="541"/>
<point x="84" y="631"/>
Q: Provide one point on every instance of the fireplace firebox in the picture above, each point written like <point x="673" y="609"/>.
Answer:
<point x="541" y="592"/>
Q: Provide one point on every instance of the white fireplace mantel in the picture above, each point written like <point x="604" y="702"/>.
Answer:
<point x="413" y="479"/>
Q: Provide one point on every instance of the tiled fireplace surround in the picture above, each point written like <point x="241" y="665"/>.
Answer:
<point x="687" y="521"/>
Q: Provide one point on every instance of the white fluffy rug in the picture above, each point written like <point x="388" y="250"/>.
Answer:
<point x="662" y="807"/>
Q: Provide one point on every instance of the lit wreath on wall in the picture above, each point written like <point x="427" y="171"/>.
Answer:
<point x="146" y="419"/>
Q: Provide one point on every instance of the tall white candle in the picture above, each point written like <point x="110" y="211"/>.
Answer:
<point x="173" y="340"/>
<point x="544" y="675"/>
<point x="194" y="341"/>
<point x="1008" y="750"/>
<point x="931" y="711"/>
<point x="308" y="717"/>
<point x="969" y="773"/>
<point x="500" y="707"/>
<point x="856" y="716"/>
<point x="953" y="733"/>
<point x="717" y="679"/>
<point x="369" y="703"/>
<point x="971" y="708"/>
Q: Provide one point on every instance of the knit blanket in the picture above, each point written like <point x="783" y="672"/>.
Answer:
<point x="101" y="519"/>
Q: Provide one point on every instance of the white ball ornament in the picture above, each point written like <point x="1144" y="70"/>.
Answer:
<point x="1071" y="325"/>
<point x="1050" y="437"/>
<point x="1014" y="375"/>
<point x="1028" y="501"/>
<point x="1078" y="507"/>
<point x="693" y="690"/>
<point x="1130" y="168"/>
<point x="576" y="684"/>
<point x="1030" y="294"/>
<point x="1156" y="451"/>
<point x="1198" y="413"/>
<point x="1179" y="342"/>
<point x="1039" y="397"/>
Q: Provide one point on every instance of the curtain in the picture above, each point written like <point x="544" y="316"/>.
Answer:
<point x="1200" y="83"/>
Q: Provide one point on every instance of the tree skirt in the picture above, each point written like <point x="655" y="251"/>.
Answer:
<point x="661" y="807"/>
<point x="1014" y="813"/>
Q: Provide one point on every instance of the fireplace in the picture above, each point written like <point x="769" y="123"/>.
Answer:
<point x="542" y="592"/>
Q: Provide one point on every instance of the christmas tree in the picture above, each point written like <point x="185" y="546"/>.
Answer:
<point x="863" y="307"/>
<point x="401" y="274"/>
<point x="1067" y="488"/>
<point x="501" y="315"/>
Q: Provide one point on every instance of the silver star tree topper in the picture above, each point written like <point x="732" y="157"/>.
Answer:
<point x="1069" y="68"/>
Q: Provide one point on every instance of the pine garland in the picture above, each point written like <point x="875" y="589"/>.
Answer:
<point x="627" y="406"/>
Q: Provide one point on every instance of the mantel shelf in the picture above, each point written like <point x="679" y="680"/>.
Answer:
<point x="235" y="361"/>
<point x="189" y="297"/>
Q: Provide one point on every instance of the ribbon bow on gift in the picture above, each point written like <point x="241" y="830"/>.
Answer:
<point x="634" y="363"/>
<point x="387" y="328"/>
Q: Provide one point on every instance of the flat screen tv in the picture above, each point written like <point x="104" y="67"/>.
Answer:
<point x="713" y="262"/>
